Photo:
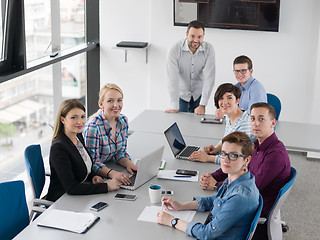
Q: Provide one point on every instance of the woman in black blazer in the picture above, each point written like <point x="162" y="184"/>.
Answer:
<point x="70" y="161"/>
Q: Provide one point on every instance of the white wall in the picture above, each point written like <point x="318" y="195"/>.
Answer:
<point x="287" y="63"/>
<point x="125" y="20"/>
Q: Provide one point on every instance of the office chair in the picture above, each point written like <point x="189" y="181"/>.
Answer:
<point x="255" y="220"/>
<point x="34" y="164"/>
<point x="275" y="102"/>
<point x="273" y="220"/>
<point x="14" y="215"/>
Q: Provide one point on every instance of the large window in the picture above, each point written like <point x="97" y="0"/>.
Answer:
<point x="37" y="29"/>
<point x="31" y="93"/>
<point x="72" y="23"/>
<point x="73" y="78"/>
<point x="25" y="118"/>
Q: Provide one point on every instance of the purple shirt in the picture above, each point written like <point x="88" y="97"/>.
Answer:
<point x="270" y="164"/>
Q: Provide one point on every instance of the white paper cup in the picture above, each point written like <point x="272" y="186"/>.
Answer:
<point x="155" y="192"/>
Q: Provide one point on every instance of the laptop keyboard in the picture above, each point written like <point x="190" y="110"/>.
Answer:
<point x="132" y="179"/>
<point x="187" y="152"/>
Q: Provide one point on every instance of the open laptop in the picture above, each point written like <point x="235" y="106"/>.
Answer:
<point x="177" y="144"/>
<point x="148" y="168"/>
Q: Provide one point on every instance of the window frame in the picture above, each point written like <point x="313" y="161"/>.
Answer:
<point x="4" y="16"/>
<point x="14" y="48"/>
<point x="16" y="66"/>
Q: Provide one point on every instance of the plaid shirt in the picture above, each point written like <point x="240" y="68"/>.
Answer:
<point x="98" y="139"/>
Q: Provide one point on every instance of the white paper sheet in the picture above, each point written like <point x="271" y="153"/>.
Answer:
<point x="170" y="174"/>
<point x="149" y="214"/>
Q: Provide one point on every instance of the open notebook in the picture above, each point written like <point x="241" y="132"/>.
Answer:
<point x="68" y="221"/>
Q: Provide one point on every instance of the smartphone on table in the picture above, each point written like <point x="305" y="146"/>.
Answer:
<point x="167" y="192"/>
<point x="186" y="172"/>
<point x="212" y="120"/>
<point x="128" y="197"/>
<point x="98" y="206"/>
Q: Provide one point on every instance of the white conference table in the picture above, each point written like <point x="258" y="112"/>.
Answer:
<point x="299" y="136"/>
<point x="156" y="121"/>
<point x="119" y="219"/>
<point x="295" y="136"/>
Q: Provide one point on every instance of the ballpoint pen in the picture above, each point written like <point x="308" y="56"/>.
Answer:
<point x="162" y="203"/>
<point x="183" y="176"/>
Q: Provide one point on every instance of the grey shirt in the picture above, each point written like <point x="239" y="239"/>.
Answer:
<point x="190" y="75"/>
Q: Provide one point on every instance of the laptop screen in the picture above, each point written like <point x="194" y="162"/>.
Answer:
<point x="175" y="139"/>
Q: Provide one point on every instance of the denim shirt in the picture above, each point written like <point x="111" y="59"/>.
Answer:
<point x="233" y="209"/>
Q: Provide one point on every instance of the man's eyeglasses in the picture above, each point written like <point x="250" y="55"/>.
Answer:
<point x="242" y="71"/>
<point x="231" y="156"/>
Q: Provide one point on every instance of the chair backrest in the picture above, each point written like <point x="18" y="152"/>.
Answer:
<point x="14" y="215"/>
<point x="274" y="218"/>
<point x="34" y="164"/>
<point x="255" y="220"/>
<point x="275" y="102"/>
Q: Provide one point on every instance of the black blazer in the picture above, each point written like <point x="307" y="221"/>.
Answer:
<point x="68" y="170"/>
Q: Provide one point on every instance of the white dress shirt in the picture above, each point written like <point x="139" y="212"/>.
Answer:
<point x="86" y="158"/>
<point x="190" y="75"/>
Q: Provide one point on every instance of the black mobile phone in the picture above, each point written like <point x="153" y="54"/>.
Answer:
<point x="186" y="172"/>
<point x="212" y="120"/>
<point x="98" y="206"/>
<point x="168" y="192"/>
<point x="125" y="196"/>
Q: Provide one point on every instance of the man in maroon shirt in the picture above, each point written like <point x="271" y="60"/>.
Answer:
<point x="270" y="163"/>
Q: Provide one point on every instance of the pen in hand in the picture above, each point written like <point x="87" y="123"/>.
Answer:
<point x="162" y="204"/>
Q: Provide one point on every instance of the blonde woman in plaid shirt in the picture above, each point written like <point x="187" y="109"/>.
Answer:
<point x="106" y="134"/>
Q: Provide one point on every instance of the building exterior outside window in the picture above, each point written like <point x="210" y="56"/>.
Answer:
<point x="26" y="102"/>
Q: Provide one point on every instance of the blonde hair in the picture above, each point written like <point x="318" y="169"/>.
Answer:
<point x="106" y="88"/>
<point x="65" y="107"/>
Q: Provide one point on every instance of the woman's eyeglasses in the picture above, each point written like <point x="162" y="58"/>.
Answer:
<point x="231" y="156"/>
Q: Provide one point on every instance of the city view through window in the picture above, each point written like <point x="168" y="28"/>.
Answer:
<point x="26" y="102"/>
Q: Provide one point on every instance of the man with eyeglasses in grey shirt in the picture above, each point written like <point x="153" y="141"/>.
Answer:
<point x="191" y="72"/>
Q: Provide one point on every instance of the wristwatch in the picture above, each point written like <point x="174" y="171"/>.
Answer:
<point x="174" y="222"/>
<point x="215" y="187"/>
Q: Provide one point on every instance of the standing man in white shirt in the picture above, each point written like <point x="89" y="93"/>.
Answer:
<point x="191" y="72"/>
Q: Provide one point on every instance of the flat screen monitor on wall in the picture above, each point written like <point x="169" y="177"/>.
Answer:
<point x="259" y="15"/>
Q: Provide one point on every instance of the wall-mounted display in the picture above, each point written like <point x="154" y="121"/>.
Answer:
<point x="261" y="15"/>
